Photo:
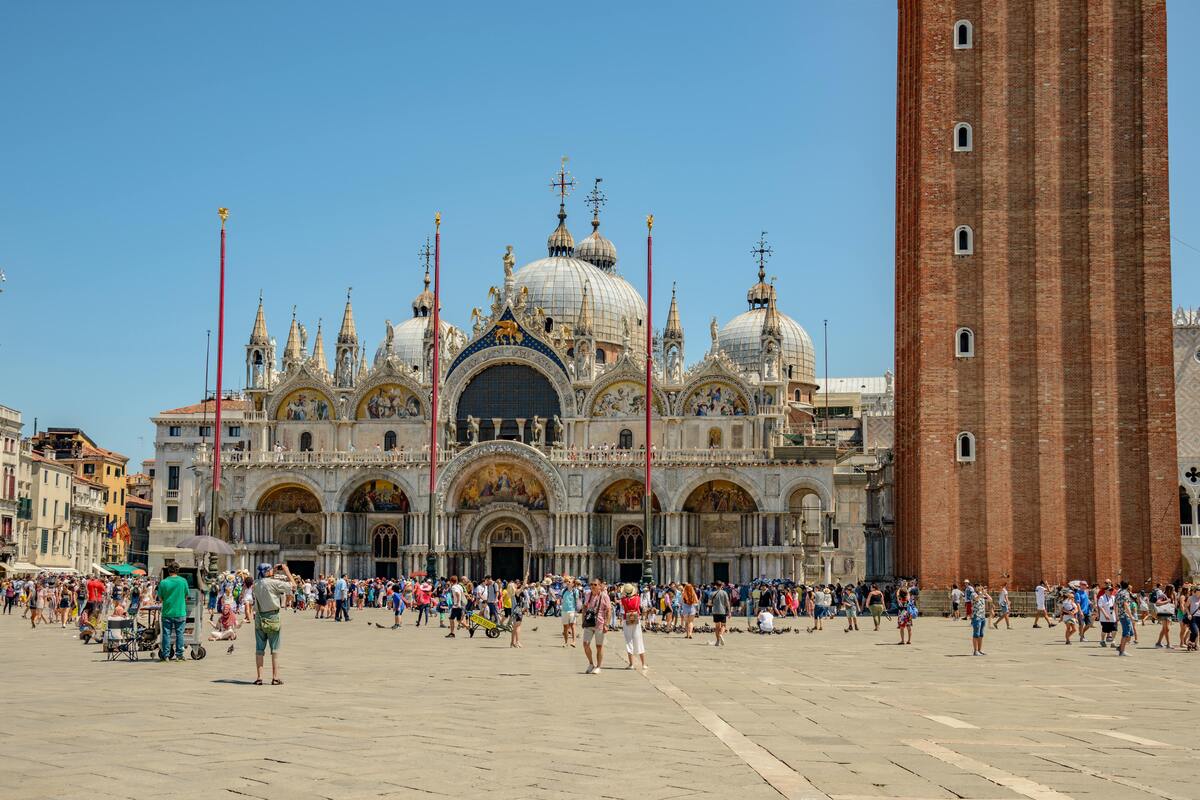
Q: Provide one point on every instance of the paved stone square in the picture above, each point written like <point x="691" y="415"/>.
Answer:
<point x="368" y="713"/>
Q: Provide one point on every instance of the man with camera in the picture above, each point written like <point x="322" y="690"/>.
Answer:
<point x="269" y="593"/>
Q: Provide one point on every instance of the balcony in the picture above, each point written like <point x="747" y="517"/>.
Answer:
<point x="556" y="455"/>
<point x="173" y="494"/>
<point x="1189" y="531"/>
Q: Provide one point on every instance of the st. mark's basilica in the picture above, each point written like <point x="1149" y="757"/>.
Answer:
<point x="541" y="439"/>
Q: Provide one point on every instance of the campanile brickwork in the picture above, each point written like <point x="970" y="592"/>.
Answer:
<point x="1070" y="391"/>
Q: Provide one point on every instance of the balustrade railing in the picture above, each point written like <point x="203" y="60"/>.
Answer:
<point x="557" y="455"/>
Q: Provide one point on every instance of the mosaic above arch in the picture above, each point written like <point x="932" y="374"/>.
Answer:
<point x="378" y="496"/>
<point x="623" y="399"/>
<point x="502" y="482"/>
<point x="290" y="499"/>
<point x="719" y="497"/>
<point x="715" y="399"/>
<point x="389" y="401"/>
<point x="624" y="497"/>
<point x="305" y="405"/>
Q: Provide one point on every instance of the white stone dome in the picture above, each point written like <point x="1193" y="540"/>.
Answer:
<point x="408" y="343"/>
<point x="741" y="339"/>
<point x="556" y="285"/>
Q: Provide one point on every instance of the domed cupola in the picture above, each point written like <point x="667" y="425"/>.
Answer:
<point x="596" y="249"/>
<point x="742" y="337"/>
<point x="561" y="242"/>
<point x="422" y="304"/>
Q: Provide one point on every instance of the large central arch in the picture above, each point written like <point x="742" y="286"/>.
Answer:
<point x="508" y="392"/>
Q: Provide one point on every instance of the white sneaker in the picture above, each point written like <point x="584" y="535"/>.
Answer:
<point x="596" y="671"/>
<point x="590" y="670"/>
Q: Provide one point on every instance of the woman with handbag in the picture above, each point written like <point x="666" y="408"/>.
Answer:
<point x="596" y="610"/>
<point x="631" y="607"/>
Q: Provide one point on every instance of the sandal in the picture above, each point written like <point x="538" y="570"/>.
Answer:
<point x="276" y="682"/>
<point x="258" y="682"/>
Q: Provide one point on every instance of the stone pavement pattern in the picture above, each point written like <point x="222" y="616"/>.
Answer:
<point x="370" y="713"/>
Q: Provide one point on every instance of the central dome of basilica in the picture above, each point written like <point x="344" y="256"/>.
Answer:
<point x="556" y="284"/>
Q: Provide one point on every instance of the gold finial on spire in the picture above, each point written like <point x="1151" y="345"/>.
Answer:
<point x="437" y="220"/>
<point x="223" y="213"/>
<point x="649" y="223"/>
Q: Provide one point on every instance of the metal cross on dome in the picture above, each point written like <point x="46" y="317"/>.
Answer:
<point x="596" y="198"/>
<point x="1192" y="475"/>
<point x="762" y="251"/>
<point x="426" y="253"/>
<point x="564" y="183"/>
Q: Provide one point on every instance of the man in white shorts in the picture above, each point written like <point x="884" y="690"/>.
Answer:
<point x="596" y="611"/>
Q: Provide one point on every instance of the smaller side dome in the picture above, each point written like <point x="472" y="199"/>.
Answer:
<point x="422" y="304"/>
<point x="597" y="251"/>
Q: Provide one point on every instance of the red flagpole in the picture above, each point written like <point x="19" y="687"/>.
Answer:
<point x="223" y="213"/>
<point x="431" y="559"/>
<point x="648" y="503"/>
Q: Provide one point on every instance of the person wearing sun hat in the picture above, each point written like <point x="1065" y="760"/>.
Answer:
<point x="631" y="608"/>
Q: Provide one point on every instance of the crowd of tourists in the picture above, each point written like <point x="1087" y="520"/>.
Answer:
<point x="589" y="609"/>
<point x="1082" y="608"/>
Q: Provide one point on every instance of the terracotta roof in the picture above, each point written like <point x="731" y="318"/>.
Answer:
<point x="94" y="481"/>
<point x="100" y="452"/>
<point x="130" y="500"/>
<point x="209" y="406"/>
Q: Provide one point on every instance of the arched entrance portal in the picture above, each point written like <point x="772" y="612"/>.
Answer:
<point x="507" y="547"/>
<point x="296" y="520"/>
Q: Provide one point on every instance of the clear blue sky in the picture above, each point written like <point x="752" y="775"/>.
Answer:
<point x="334" y="131"/>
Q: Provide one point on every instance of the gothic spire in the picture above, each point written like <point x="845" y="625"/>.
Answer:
<point x="771" y="326"/>
<point x="348" y="335"/>
<point x="584" y="326"/>
<point x="673" y="330"/>
<point x="259" y="334"/>
<point x="293" y="351"/>
<point x="318" y="359"/>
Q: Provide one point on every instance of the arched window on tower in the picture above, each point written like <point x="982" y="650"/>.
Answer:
<point x="797" y="395"/>
<point x="549" y="327"/>
<point x="964" y="343"/>
<point x="966" y="446"/>
<point x="306" y="442"/>
<point x="625" y="440"/>
<point x="389" y="440"/>
<point x="964" y="240"/>
<point x="964" y="140"/>
<point x="964" y="35"/>
<point x="600" y="357"/>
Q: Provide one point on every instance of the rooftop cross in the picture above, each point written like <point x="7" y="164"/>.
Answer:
<point x="596" y="198"/>
<point x="563" y="183"/>
<point x="426" y="253"/>
<point x="762" y="252"/>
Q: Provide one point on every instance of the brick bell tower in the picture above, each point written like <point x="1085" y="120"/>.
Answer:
<point x="1035" y="409"/>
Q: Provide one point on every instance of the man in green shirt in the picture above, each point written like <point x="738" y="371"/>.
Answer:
<point x="173" y="594"/>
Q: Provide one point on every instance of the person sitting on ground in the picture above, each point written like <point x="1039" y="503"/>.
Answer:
<point x="766" y="621"/>
<point x="226" y="625"/>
